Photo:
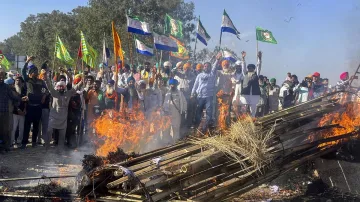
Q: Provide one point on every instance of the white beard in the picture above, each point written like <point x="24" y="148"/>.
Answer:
<point x="18" y="89"/>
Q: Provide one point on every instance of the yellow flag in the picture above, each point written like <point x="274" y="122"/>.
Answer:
<point x="117" y="45"/>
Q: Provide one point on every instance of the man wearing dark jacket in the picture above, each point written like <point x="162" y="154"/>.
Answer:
<point x="36" y="92"/>
<point x="250" y="93"/>
<point x="6" y="96"/>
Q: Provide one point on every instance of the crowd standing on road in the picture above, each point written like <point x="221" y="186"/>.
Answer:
<point x="60" y="107"/>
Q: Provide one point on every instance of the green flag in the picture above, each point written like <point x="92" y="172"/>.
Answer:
<point x="62" y="53"/>
<point x="3" y="61"/>
<point x="173" y="27"/>
<point x="89" y="54"/>
<point x="265" y="35"/>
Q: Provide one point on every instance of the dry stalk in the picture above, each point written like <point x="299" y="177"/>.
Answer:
<point x="245" y="143"/>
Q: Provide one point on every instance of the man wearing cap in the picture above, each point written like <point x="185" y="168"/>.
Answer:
<point x="317" y="86"/>
<point x="174" y="105"/>
<point x="58" y="112"/>
<point x="186" y="79"/>
<point x="250" y="92"/>
<point x="204" y="90"/>
<point x="36" y="92"/>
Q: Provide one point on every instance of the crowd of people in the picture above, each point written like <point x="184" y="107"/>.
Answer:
<point x="60" y="106"/>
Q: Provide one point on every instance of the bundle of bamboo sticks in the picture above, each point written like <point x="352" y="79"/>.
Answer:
<point x="209" y="170"/>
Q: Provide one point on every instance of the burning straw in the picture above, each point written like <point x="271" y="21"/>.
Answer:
<point x="128" y="131"/>
<point x="244" y="143"/>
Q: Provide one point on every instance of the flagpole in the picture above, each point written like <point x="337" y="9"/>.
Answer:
<point x="220" y="39"/>
<point x="130" y="49"/>
<point x="137" y="54"/>
<point x="54" y="53"/>
<point x="196" y="41"/>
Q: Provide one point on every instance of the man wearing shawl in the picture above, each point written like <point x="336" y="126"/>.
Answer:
<point x="174" y="105"/>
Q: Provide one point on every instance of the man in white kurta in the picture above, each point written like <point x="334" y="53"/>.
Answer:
<point x="174" y="105"/>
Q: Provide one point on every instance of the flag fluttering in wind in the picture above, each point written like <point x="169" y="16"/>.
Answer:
<point x="173" y="27"/>
<point x="61" y="52"/>
<point x="165" y="43"/>
<point x="3" y="61"/>
<point x="88" y="53"/>
<point x="143" y="48"/>
<point x="182" y="53"/>
<point x="201" y="34"/>
<point x="106" y="54"/>
<point x="228" y="26"/>
<point x="229" y="56"/>
<point x="137" y="26"/>
<point x="265" y="36"/>
<point x="117" y="44"/>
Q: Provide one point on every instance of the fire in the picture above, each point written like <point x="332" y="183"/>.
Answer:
<point x="349" y="120"/>
<point x="223" y="109"/>
<point x="127" y="130"/>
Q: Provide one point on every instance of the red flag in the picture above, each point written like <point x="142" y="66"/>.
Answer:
<point x="80" y="52"/>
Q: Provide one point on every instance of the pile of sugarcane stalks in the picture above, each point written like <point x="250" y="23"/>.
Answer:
<point x="192" y="171"/>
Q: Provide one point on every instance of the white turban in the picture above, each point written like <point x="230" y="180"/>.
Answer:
<point x="167" y="64"/>
<point x="178" y="64"/>
<point x="60" y="83"/>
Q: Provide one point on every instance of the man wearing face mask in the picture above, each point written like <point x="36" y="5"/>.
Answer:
<point x="237" y="79"/>
<point x="58" y="112"/>
<point x="204" y="90"/>
<point x="36" y="92"/>
<point x="250" y="92"/>
<point x="174" y="105"/>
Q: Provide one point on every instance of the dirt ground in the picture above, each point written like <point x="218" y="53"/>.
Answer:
<point x="36" y="162"/>
<point x="301" y="184"/>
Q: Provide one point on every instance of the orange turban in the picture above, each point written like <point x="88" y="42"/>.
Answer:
<point x="42" y="74"/>
<point x="225" y="63"/>
<point x="187" y="66"/>
<point x="199" y="67"/>
<point x="77" y="78"/>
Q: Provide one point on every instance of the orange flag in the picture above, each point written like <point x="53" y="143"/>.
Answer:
<point x="117" y="46"/>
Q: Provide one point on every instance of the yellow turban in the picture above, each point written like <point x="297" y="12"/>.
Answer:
<point x="199" y="67"/>
<point x="225" y="63"/>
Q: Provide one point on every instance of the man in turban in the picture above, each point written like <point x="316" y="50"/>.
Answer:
<point x="174" y="105"/>
<point x="186" y="79"/>
<point x="224" y="90"/>
<point x="250" y="92"/>
<point x="58" y="116"/>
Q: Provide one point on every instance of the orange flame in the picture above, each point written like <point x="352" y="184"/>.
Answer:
<point x="127" y="130"/>
<point x="223" y="108"/>
<point x="349" y="120"/>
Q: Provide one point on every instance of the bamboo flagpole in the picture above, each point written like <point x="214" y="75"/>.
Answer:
<point x="53" y="67"/>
